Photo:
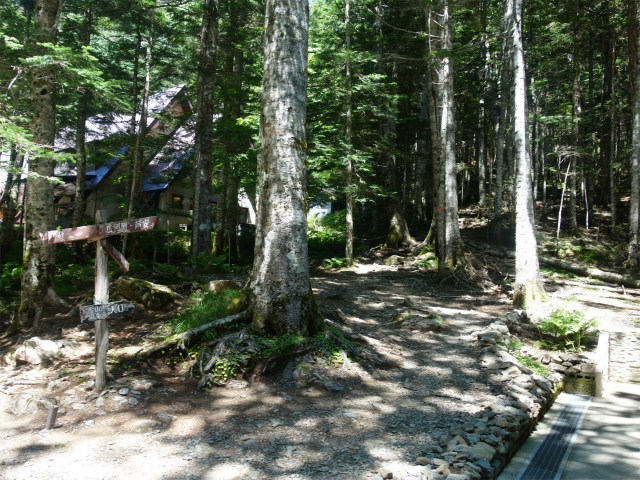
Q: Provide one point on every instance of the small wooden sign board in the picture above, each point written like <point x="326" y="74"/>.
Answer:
<point x="102" y="310"/>
<point x="91" y="313"/>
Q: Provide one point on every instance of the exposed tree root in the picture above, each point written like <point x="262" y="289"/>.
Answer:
<point x="245" y="354"/>
<point x="591" y="272"/>
<point x="182" y="340"/>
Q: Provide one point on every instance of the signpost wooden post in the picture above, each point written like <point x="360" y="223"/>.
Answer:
<point x="102" y="310"/>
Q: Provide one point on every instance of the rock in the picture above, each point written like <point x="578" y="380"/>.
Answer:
<point x="333" y="387"/>
<point x="483" y="451"/>
<point x="557" y="368"/>
<point x="394" y="260"/>
<point x="524" y="403"/>
<point x="238" y="384"/>
<point x="443" y="470"/>
<point x="417" y="322"/>
<point x="545" y="359"/>
<point x="497" y="366"/>
<point x="100" y="412"/>
<point x="133" y="401"/>
<point x="165" y="418"/>
<point x="555" y="358"/>
<point x="146" y="424"/>
<point x="29" y="403"/>
<point x="56" y="384"/>
<point x="100" y="402"/>
<point x="483" y="465"/>
<point x="473" y="474"/>
<point x="343" y="317"/>
<point x="458" y="476"/>
<point x="499" y="327"/>
<point x="78" y="406"/>
<point x="90" y="397"/>
<point x="490" y="336"/>
<point x="90" y="385"/>
<point x="217" y="286"/>
<point x="423" y="461"/>
<point x="36" y="351"/>
<point x="151" y="295"/>
<point x="409" y="303"/>
<point x="123" y="391"/>
<point x="385" y="473"/>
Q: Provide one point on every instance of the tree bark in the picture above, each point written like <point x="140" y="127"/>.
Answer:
<point x="528" y="286"/>
<point x="591" y="272"/>
<point x="9" y="200"/>
<point x="81" y="152"/>
<point x="454" y="250"/>
<point x="279" y="289"/>
<point x="634" y="262"/>
<point x="201" y="234"/>
<point x="348" y="134"/>
<point x="39" y="259"/>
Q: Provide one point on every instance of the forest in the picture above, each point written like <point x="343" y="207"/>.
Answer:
<point x="385" y="210"/>
<point x="414" y="110"/>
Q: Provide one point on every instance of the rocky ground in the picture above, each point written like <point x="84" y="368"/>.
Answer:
<point x="449" y="403"/>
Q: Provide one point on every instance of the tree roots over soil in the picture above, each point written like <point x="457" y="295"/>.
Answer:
<point x="244" y="354"/>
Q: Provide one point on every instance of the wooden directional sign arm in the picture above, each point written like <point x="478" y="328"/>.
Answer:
<point x="115" y="254"/>
<point x="99" y="231"/>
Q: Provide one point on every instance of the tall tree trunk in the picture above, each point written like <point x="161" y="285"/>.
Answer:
<point x="9" y="199"/>
<point x="136" y="180"/>
<point x="481" y="135"/>
<point x="279" y="289"/>
<point x="39" y="259"/>
<point x="634" y="262"/>
<point x="454" y="249"/>
<point x="81" y="152"/>
<point x="348" y="134"/>
<point x="398" y="234"/>
<point x="576" y="112"/>
<point x="434" y="98"/>
<point x="501" y="143"/>
<point x="528" y="286"/>
<point x="201" y="234"/>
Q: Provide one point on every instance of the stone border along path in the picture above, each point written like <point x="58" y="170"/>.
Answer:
<point x="438" y="413"/>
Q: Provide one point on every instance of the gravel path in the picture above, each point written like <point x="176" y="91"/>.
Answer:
<point x="379" y="422"/>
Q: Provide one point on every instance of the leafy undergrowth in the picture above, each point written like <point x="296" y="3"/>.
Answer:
<point x="202" y="308"/>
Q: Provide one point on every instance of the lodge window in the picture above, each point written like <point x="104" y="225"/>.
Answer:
<point x="177" y="201"/>
<point x="243" y="215"/>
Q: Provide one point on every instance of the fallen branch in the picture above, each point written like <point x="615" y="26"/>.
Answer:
<point x="185" y="338"/>
<point x="591" y="272"/>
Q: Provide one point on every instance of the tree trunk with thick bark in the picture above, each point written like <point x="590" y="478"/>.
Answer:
<point x="348" y="252"/>
<point x="39" y="259"/>
<point x="138" y="156"/>
<point x="454" y="249"/>
<point x="201" y="234"/>
<point x="500" y="144"/>
<point x="528" y="286"/>
<point x="81" y="152"/>
<point x="634" y="262"/>
<point x="279" y="289"/>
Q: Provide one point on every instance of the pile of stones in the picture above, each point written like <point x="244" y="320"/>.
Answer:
<point x="567" y="363"/>
<point x="481" y="448"/>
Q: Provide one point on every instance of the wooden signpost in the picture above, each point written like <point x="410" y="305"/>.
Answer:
<point x="102" y="310"/>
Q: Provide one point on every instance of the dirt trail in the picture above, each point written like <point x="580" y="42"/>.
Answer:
<point x="277" y="429"/>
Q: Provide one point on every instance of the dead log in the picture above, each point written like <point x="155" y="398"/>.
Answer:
<point x="185" y="338"/>
<point x="598" y="274"/>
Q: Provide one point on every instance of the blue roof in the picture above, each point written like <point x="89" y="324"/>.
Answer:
<point x="95" y="176"/>
<point x="169" y="161"/>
